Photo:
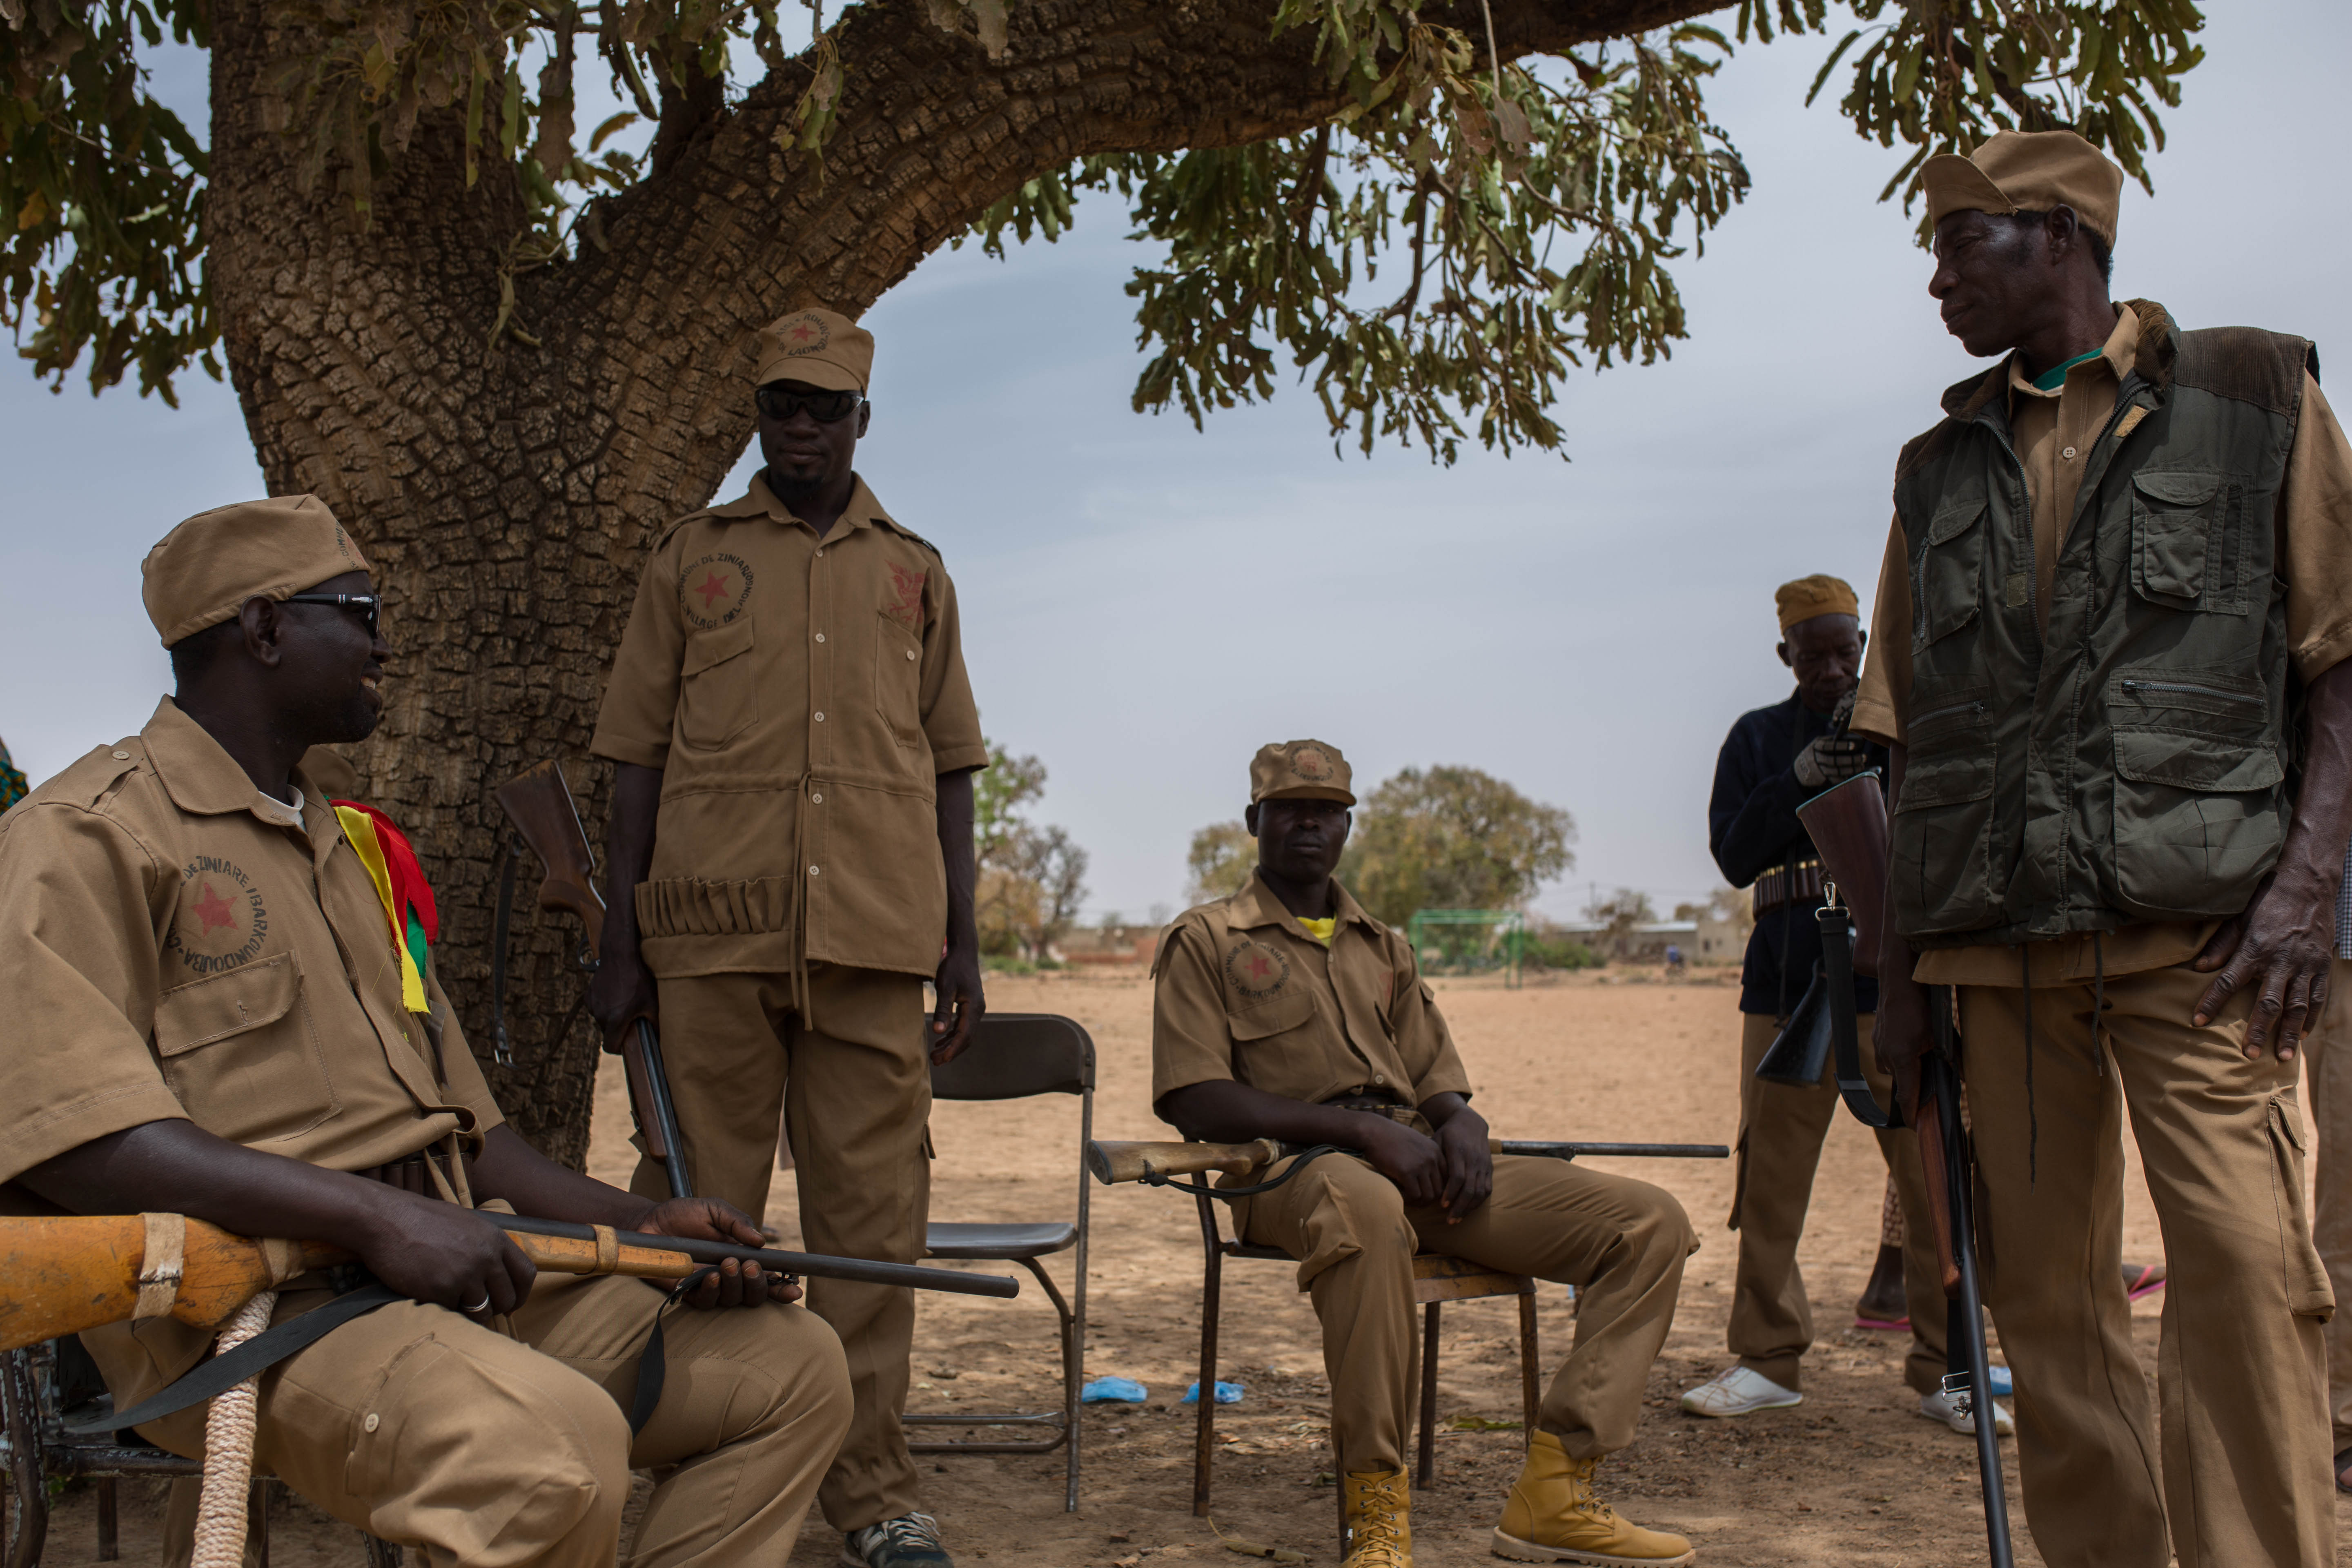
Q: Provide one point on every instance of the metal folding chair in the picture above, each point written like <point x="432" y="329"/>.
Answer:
<point x="1018" y="1054"/>
<point x="41" y="1388"/>
<point x="1436" y="1279"/>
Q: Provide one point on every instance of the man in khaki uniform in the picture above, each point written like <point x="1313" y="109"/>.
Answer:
<point x="1774" y="760"/>
<point x="1287" y="1012"/>
<point x="208" y="1016"/>
<point x="790" y="858"/>
<point x="2120" y="838"/>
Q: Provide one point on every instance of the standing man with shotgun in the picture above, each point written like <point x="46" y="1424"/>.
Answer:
<point x="1285" y="1011"/>
<point x="216" y="1013"/>
<point x="790" y="858"/>
<point x="1775" y="758"/>
<point x="2106" y="655"/>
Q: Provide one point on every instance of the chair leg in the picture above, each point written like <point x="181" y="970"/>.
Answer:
<point x="1074" y="1352"/>
<point x="1426" y="1464"/>
<point x="258" y="1513"/>
<point x="110" y="1519"/>
<point x="1205" y="1432"/>
<point x="1530" y="1370"/>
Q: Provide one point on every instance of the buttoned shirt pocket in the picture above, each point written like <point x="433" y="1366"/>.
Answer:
<point x="898" y="681"/>
<point x="1258" y="1029"/>
<point x="718" y="686"/>
<point x="239" y="1053"/>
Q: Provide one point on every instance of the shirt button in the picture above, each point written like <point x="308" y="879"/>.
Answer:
<point x="910" y="653"/>
<point x="816" y="798"/>
<point x="819" y="718"/>
<point x="811" y="870"/>
<point x="819" y="555"/>
<point x="2068" y="454"/>
<point x="372" y="1422"/>
<point x="1377" y="1078"/>
<point x="820" y="636"/>
<point x="120" y="755"/>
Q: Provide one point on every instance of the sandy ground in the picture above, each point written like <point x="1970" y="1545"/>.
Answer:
<point x="1853" y="1475"/>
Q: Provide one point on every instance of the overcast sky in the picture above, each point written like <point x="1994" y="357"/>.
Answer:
<point x="1144" y="604"/>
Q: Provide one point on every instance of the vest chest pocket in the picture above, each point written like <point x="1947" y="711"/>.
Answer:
<point x="239" y="1051"/>
<point x="1947" y="575"/>
<point x="718" y="686"/>
<point x="898" y="681"/>
<point x="2180" y="554"/>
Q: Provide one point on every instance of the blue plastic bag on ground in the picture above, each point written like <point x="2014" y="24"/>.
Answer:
<point x="1227" y="1394"/>
<point x="1113" y="1391"/>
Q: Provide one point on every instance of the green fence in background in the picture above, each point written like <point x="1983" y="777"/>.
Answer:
<point x="1470" y="942"/>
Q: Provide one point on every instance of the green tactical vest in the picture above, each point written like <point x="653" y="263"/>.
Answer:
<point x="2132" y="762"/>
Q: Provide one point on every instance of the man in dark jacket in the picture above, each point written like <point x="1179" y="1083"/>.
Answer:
<point x="1775" y="759"/>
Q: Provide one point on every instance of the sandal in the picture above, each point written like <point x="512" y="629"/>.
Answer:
<point x="2142" y="1280"/>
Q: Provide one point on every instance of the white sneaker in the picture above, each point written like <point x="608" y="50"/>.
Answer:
<point x="1939" y="1406"/>
<point x="1737" y="1391"/>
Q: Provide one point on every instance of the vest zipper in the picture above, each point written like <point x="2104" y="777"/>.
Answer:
<point x="2184" y="685"/>
<point x="1949" y="707"/>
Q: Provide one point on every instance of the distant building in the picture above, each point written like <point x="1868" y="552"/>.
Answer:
<point x="1108" y="944"/>
<point x="1648" y="943"/>
<point x="1720" y="941"/>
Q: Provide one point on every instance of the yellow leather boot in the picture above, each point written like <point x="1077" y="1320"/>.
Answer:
<point x="1380" y="1519"/>
<point x="1553" y="1515"/>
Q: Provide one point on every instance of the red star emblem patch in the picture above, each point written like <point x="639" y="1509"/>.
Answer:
<point x="214" y="911"/>
<point x="713" y="589"/>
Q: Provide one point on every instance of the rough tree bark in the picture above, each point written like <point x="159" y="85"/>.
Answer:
<point x="507" y="497"/>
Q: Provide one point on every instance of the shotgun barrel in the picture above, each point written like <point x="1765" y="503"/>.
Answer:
<point x="1114" y="1162"/>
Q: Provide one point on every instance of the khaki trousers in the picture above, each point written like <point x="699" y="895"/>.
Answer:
<point x="1620" y="1242"/>
<point x="431" y="1431"/>
<point x="2241" y="1372"/>
<point x="1780" y="1132"/>
<point x="2327" y="1055"/>
<point x="853" y="1083"/>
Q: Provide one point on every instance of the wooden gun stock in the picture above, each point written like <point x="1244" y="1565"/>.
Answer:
<point x="1113" y="1162"/>
<point x="1847" y="823"/>
<point x="540" y="804"/>
<point x="62" y="1275"/>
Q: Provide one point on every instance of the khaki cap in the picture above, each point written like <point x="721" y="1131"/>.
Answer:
<point x="1816" y="596"/>
<point x="1300" y="770"/>
<point x="818" y="348"/>
<point x="2027" y="170"/>
<point x="206" y="569"/>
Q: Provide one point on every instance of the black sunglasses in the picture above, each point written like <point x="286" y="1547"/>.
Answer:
<point x="824" y="407"/>
<point x="369" y="606"/>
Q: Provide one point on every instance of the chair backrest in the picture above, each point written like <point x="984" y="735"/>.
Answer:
<point x="1017" y="1055"/>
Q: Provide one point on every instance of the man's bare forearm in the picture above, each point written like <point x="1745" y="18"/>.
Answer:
<point x="178" y="1167"/>
<point x="953" y="808"/>
<point x="1231" y="1112"/>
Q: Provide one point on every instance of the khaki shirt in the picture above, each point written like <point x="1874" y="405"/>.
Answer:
<point x="2053" y="434"/>
<point x="1241" y="993"/>
<point x="176" y="945"/>
<point x="801" y="697"/>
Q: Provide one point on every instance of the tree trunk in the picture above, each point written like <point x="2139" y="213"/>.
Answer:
<point x="506" y="498"/>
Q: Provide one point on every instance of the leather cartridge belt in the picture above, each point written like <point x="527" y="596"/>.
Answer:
<point x="1377" y="1105"/>
<point x="409" y="1174"/>
<point x="1799" y="880"/>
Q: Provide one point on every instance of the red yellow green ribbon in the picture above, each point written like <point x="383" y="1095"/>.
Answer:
<point x="392" y="865"/>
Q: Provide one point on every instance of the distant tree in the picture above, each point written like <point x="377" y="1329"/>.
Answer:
<point x="1619" y="913"/>
<point x="1219" y="863"/>
<point x="1031" y="878"/>
<point x="1455" y="839"/>
<point x="1687" y="912"/>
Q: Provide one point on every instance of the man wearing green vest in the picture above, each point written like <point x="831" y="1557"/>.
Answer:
<point x="2106" y="654"/>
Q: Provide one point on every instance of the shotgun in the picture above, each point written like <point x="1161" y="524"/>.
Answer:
<point x="1153" y="1164"/>
<point x="540" y="804"/>
<point x="75" y="1272"/>
<point x="1848" y="826"/>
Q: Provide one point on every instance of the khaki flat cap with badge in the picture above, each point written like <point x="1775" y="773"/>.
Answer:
<point x="815" y="348"/>
<point x="204" y="571"/>
<point x="2027" y="170"/>
<point x="1300" y="770"/>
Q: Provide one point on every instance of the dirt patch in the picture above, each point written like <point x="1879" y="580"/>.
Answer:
<point x="1853" y="1475"/>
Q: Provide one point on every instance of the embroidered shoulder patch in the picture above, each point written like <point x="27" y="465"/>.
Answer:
<point x="221" y="920"/>
<point x="906" y="605"/>
<point x="1256" y="970"/>
<point x="713" y="591"/>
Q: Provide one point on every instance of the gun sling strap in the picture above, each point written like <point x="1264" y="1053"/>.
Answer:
<point x="272" y="1345"/>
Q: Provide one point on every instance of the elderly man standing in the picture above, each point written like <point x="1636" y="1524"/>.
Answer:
<point x="2107" y="657"/>
<point x="790" y="858"/>
<point x="1775" y="759"/>
<point x="1287" y="1012"/>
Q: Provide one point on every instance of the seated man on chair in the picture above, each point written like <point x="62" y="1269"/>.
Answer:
<point x="1287" y="1012"/>
<point x="210" y="1015"/>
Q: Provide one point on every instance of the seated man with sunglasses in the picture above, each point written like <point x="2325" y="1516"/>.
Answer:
<point x="790" y="858"/>
<point x="210" y="1014"/>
